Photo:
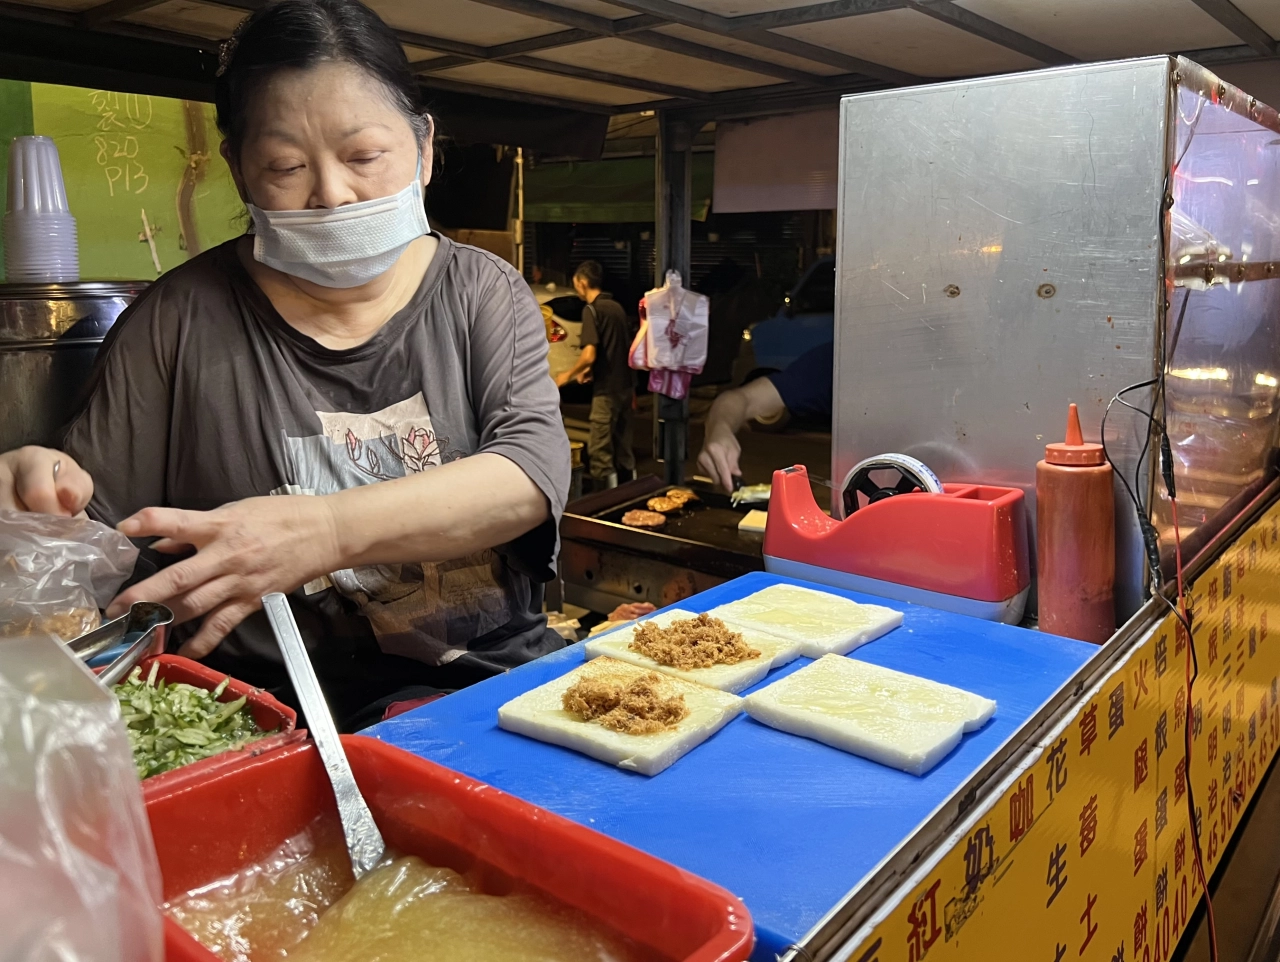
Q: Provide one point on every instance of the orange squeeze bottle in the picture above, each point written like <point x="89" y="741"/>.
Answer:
<point x="1076" y="538"/>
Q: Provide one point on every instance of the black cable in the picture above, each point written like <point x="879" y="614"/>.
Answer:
<point x="1137" y="507"/>
<point x="1150" y="538"/>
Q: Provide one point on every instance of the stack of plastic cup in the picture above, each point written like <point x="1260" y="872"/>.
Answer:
<point x="39" y="231"/>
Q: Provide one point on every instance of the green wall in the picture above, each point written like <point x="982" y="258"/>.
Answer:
<point x="122" y="154"/>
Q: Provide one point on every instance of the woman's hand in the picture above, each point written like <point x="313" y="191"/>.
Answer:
<point x="243" y="551"/>
<point x="43" y="480"/>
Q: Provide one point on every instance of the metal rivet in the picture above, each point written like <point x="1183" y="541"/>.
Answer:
<point x="1222" y="90"/>
<point x="951" y="290"/>
<point x="1046" y="291"/>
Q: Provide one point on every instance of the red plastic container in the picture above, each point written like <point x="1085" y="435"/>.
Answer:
<point x="210" y="828"/>
<point x="268" y="714"/>
<point x="970" y="541"/>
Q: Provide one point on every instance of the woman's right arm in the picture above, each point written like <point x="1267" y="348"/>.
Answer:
<point x="43" y="480"/>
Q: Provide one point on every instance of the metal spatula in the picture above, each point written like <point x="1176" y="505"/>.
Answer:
<point x="364" y="841"/>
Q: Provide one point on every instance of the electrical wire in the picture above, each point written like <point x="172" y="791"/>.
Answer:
<point x="1157" y="426"/>
<point x="1192" y="671"/>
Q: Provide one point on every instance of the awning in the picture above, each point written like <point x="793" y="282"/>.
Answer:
<point x="606" y="191"/>
<point x="778" y="163"/>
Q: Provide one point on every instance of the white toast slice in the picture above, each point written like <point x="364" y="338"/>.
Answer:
<point x="887" y="716"/>
<point x="774" y="652"/>
<point x="821" y="622"/>
<point x="540" y="714"/>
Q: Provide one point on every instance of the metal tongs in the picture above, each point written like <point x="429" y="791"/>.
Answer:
<point x="364" y="841"/>
<point x="143" y="618"/>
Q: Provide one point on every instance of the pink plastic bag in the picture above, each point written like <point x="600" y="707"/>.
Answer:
<point x="672" y="343"/>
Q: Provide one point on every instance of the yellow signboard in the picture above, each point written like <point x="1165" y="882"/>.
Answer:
<point x="1087" y="853"/>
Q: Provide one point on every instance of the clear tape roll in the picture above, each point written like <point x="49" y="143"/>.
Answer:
<point x="908" y="467"/>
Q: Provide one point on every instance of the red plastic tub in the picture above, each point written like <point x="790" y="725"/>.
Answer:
<point x="210" y="828"/>
<point x="268" y="714"/>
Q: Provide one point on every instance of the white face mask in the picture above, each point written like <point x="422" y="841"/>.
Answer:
<point x="342" y="246"/>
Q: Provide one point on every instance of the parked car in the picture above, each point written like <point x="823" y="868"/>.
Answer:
<point x="562" y="312"/>
<point x="805" y="320"/>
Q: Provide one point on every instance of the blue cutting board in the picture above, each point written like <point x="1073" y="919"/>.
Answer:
<point x="787" y="824"/>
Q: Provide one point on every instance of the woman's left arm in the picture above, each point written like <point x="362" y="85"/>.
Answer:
<point x="510" y="492"/>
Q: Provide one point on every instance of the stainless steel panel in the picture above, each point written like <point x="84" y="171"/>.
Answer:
<point x="49" y="337"/>
<point x="999" y="257"/>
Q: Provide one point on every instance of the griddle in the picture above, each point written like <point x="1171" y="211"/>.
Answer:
<point x="702" y="537"/>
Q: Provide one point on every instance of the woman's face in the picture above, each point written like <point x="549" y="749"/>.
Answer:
<point x="324" y="137"/>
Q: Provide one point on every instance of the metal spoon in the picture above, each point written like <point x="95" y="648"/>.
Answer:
<point x="364" y="841"/>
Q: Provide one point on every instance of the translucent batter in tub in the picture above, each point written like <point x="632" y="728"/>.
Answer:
<point x="408" y="911"/>
<point x="301" y="904"/>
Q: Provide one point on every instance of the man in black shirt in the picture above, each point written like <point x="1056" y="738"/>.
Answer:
<point x="606" y="341"/>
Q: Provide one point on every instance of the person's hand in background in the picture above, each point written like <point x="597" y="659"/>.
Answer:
<point x="43" y="480"/>
<point x="631" y="611"/>
<point x="729" y="413"/>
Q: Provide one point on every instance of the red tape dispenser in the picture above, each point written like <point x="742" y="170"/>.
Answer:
<point x="962" y="548"/>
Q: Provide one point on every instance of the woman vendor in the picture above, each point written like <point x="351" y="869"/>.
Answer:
<point x="244" y="406"/>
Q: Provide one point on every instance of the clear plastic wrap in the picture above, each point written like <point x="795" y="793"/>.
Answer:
<point x="79" y="880"/>
<point x="55" y="573"/>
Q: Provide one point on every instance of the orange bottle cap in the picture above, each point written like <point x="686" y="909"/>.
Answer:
<point x="1074" y="450"/>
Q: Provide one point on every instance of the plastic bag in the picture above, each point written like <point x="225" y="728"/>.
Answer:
<point x="672" y="343"/>
<point x="55" y="573"/>
<point x="79" y="879"/>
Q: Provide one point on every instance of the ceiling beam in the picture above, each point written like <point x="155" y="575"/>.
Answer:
<point x="1236" y="53"/>
<point x="687" y="48"/>
<point x="814" y="13"/>
<point x="777" y="99"/>
<point x="114" y="10"/>
<point x="518" y="96"/>
<point x="716" y="24"/>
<point x="599" y="76"/>
<point x="966" y="20"/>
<point x="1239" y="23"/>
<point x="605" y="27"/>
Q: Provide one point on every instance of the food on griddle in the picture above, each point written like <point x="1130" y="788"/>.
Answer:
<point x="751" y="494"/>
<point x="820" y="621"/>
<point x="697" y="642"/>
<point x="664" y="505"/>
<point x="541" y="714"/>
<point x="888" y="716"/>
<point x="637" y="707"/>
<point x="16" y="621"/>
<point x="682" y="494"/>
<point x="173" y="724"/>
<point x="774" y="652"/>
<point x="644" y="519"/>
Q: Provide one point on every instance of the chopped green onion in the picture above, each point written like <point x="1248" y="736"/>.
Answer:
<point x="174" y="724"/>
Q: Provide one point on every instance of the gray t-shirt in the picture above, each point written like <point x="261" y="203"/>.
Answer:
<point x="204" y="395"/>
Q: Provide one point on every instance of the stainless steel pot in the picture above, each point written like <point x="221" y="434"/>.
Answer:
<point x="49" y="337"/>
